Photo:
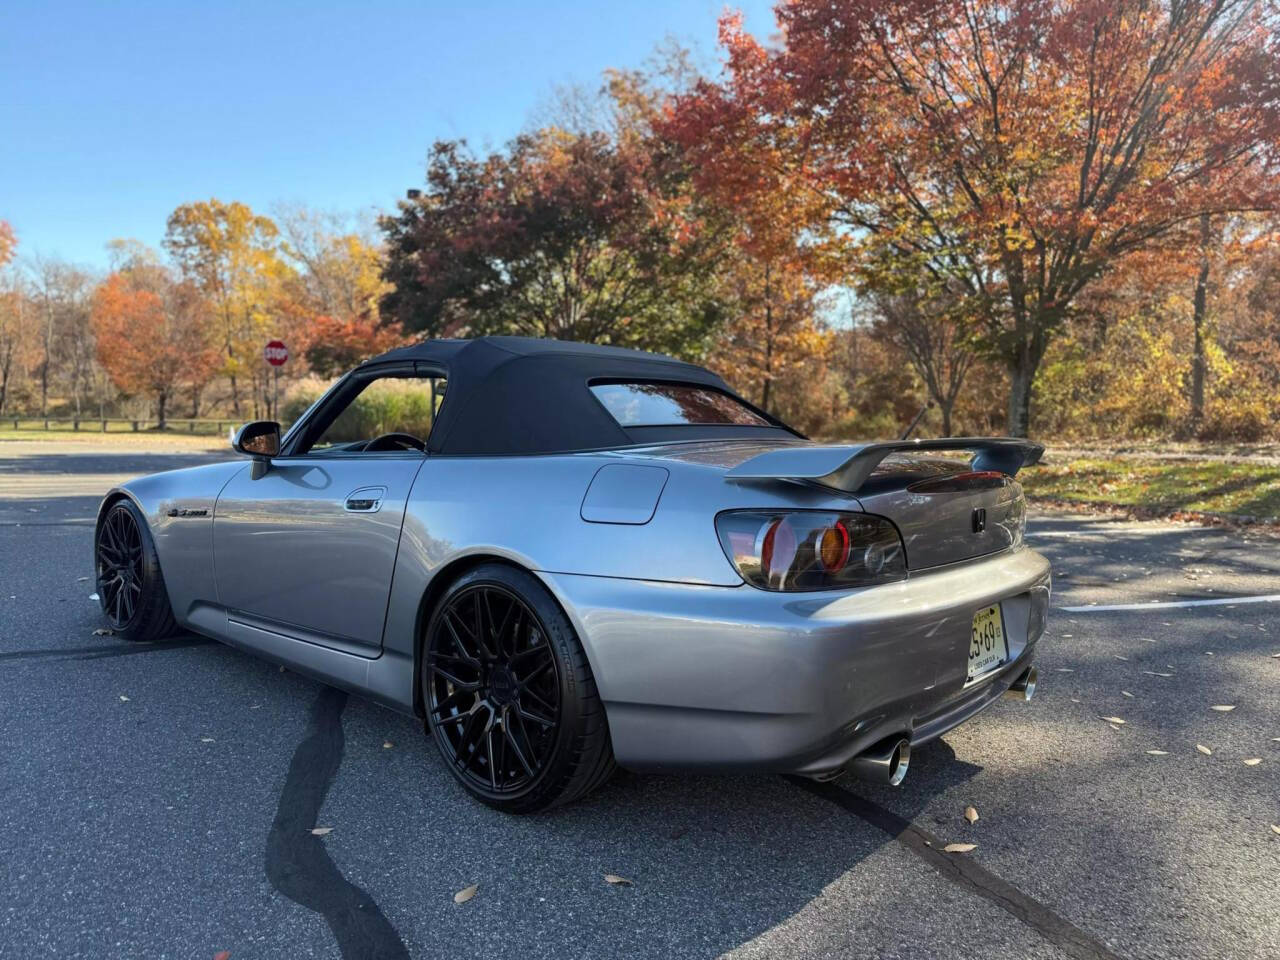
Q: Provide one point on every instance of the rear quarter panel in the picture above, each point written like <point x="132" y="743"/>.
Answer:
<point x="528" y="510"/>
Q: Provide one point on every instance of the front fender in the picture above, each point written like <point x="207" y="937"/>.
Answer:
<point x="178" y="506"/>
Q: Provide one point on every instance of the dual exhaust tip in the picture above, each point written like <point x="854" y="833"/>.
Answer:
<point x="888" y="760"/>
<point x="884" y="763"/>
<point x="1024" y="688"/>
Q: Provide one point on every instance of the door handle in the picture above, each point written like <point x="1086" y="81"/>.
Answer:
<point x="365" y="500"/>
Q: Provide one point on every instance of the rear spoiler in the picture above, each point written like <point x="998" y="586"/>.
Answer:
<point x="848" y="467"/>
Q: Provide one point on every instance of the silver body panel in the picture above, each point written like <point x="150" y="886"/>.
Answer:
<point x="697" y="669"/>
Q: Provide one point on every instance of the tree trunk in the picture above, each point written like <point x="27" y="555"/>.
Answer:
<point x="1197" y="355"/>
<point x="768" y="342"/>
<point x="945" y="406"/>
<point x="1021" y="376"/>
<point x="162" y="399"/>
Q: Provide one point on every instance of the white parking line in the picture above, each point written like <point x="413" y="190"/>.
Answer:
<point x="1215" y="602"/>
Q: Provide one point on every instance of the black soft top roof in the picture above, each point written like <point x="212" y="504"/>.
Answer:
<point x="521" y="395"/>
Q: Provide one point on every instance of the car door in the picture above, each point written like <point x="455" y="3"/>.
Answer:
<point x="305" y="546"/>
<point x="308" y="548"/>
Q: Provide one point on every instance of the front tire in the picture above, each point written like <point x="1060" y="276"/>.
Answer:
<point x="131" y="588"/>
<point x="509" y="695"/>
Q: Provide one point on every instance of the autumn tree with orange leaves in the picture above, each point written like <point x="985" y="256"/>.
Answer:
<point x="151" y="334"/>
<point x="1012" y="151"/>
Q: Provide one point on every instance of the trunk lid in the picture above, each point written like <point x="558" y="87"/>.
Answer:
<point x="945" y="511"/>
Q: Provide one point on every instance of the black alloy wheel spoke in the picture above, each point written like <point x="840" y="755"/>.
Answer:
<point x="493" y="689"/>
<point x="119" y="567"/>
<point x="457" y="682"/>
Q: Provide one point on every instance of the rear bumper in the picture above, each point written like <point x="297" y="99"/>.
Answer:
<point x="734" y="678"/>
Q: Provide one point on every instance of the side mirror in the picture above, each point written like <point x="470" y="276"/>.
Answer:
<point x="260" y="440"/>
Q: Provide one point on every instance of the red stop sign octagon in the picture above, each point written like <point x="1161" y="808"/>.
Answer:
<point x="276" y="353"/>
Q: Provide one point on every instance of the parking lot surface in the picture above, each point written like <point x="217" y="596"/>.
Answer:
<point x="160" y="800"/>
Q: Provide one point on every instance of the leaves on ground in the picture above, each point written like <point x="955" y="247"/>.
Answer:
<point x="222" y="955"/>
<point x="104" y="632"/>
<point x="1118" y="657"/>
<point x="1253" y="761"/>
<point x="617" y="881"/>
<point x="387" y="744"/>
<point x="1223" y="707"/>
<point x="1126" y="693"/>
<point x="1275" y="829"/>
<point x="206" y="740"/>
<point x="971" y="814"/>
<point x="81" y="579"/>
<point x="1158" y="753"/>
<point x="1154" y="673"/>
<point x="1203" y="749"/>
<point x="1116" y="720"/>
<point x="321" y="831"/>
<point x="123" y="698"/>
<point x="959" y="847"/>
<point x="466" y="893"/>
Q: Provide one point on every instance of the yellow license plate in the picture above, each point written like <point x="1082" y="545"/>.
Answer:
<point x="988" y="647"/>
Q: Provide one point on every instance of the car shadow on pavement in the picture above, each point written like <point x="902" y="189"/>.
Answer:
<point x="713" y="861"/>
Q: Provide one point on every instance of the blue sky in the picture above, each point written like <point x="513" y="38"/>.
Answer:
<point x="112" y="114"/>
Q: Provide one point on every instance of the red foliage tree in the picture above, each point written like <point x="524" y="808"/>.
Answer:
<point x="1010" y="150"/>
<point x="152" y="335"/>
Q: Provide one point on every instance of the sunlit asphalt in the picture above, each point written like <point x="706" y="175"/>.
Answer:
<point x="158" y="801"/>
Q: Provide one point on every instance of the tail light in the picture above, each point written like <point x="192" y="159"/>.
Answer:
<point x="811" y="550"/>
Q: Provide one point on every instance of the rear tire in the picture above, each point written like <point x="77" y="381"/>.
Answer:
<point x="131" y="587"/>
<point x="510" y="699"/>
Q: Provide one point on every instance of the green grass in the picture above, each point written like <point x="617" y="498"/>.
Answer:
<point x="1162" y="486"/>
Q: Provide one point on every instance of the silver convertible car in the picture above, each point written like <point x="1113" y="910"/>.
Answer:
<point x="565" y="557"/>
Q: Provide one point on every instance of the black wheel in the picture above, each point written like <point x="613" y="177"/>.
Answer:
<point x="509" y="695"/>
<point x="130" y="586"/>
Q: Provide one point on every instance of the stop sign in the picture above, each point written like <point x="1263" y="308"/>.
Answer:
<point x="276" y="353"/>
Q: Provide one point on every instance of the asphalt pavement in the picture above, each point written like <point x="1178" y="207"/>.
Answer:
<point x="159" y="800"/>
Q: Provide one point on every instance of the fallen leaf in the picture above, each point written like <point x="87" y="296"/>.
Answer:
<point x="971" y="814"/>
<point x="1158" y="753"/>
<point x="206" y="740"/>
<point x="81" y="579"/>
<point x="1114" y="727"/>
<point x="124" y="698"/>
<point x="92" y="596"/>
<point x="1275" y="829"/>
<point x="1253" y="761"/>
<point x="1118" y="657"/>
<point x="321" y="831"/>
<point x="1223" y="707"/>
<point x="466" y="893"/>
<point x="959" y="847"/>
<point x="386" y="744"/>
<point x="1203" y="749"/>
<point x="1126" y="693"/>
<point x="617" y="881"/>
<point x="1065" y="670"/>
<point x="222" y="955"/>
<point x="1113" y="720"/>
<point x="104" y="632"/>
<point x="1153" y="673"/>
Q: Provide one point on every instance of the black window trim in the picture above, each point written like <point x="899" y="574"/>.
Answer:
<point x="300" y="437"/>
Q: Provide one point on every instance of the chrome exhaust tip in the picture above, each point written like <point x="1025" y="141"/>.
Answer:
<point x="1024" y="688"/>
<point x="886" y="762"/>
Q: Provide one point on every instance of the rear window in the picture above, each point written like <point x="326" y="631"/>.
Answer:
<point x="671" y="404"/>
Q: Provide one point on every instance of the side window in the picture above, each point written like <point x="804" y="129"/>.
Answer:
<point x="388" y="405"/>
